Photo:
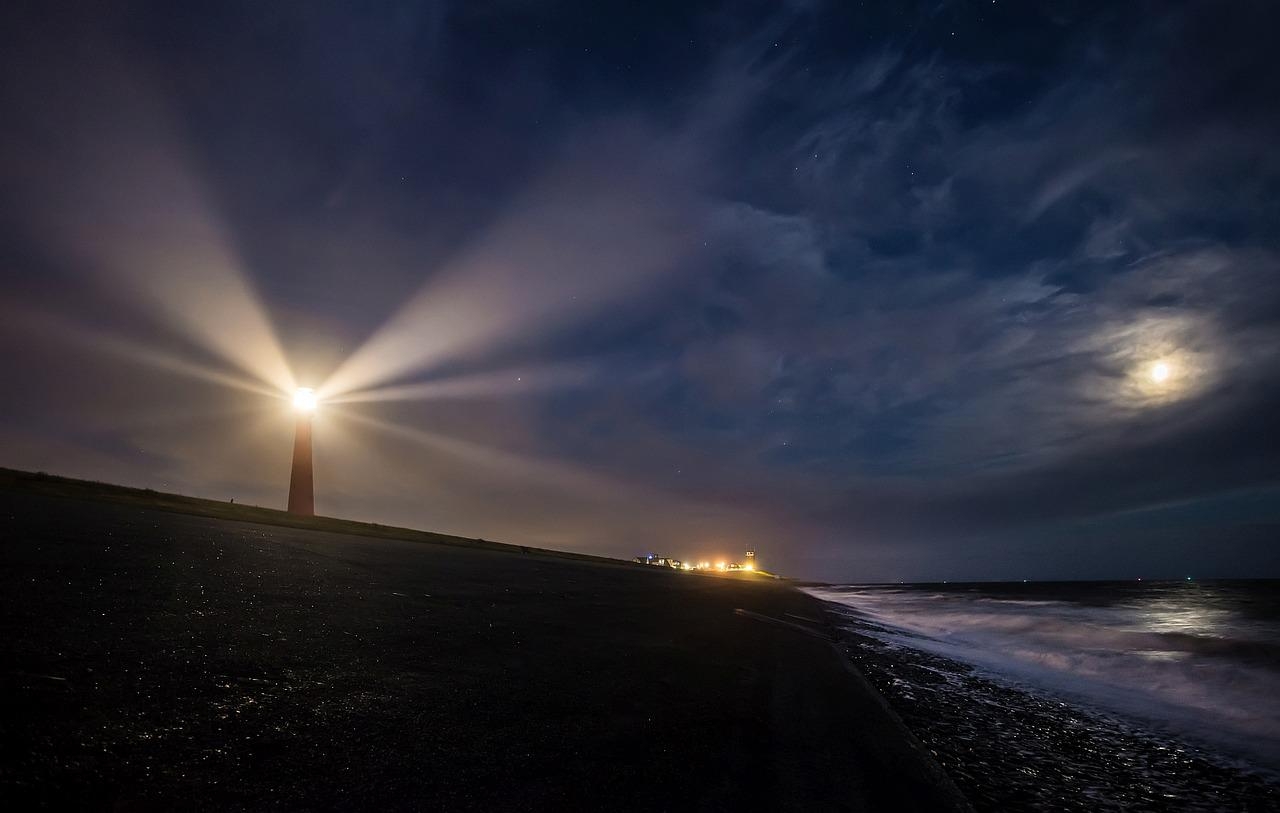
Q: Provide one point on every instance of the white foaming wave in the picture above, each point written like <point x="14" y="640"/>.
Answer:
<point x="1124" y="659"/>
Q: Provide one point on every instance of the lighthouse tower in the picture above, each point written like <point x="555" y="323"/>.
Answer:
<point x="301" y="487"/>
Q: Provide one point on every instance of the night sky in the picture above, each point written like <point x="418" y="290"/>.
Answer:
<point x="888" y="291"/>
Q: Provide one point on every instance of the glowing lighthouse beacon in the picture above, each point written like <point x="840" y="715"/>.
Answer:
<point x="301" y="488"/>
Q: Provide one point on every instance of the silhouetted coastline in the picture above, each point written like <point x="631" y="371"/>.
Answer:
<point x="163" y="659"/>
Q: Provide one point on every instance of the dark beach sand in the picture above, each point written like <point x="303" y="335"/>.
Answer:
<point x="153" y="659"/>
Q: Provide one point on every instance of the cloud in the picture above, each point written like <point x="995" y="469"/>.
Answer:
<point x="919" y="323"/>
<point x="844" y="303"/>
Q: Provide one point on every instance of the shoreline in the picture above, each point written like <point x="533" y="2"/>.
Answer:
<point x="1018" y="744"/>
<point x="165" y="658"/>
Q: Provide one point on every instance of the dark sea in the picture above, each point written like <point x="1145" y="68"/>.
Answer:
<point x="1082" y="695"/>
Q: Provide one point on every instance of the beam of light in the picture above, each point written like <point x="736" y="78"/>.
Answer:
<point x="115" y="196"/>
<point x="304" y="399"/>
<point x="569" y="245"/>
<point x="521" y="466"/>
<point x="153" y="234"/>
<point x="555" y="503"/>
<point x="242" y="453"/>
<point x="513" y="381"/>
<point x="53" y="328"/>
<point x="163" y="415"/>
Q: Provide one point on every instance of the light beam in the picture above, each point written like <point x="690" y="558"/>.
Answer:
<point x="115" y="194"/>
<point x="565" y="248"/>
<point x="478" y="385"/>
<point x="304" y="399"/>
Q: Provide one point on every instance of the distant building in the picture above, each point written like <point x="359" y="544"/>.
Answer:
<point x="659" y="561"/>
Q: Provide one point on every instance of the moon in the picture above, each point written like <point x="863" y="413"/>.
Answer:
<point x="1160" y="372"/>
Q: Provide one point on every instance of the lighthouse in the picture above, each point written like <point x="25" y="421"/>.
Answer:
<point x="301" y="487"/>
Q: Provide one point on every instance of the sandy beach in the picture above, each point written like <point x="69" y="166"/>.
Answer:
<point x="156" y="659"/>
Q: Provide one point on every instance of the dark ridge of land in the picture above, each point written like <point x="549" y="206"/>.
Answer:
<point x="151" y="659"/>
<point x="56" y="486"/>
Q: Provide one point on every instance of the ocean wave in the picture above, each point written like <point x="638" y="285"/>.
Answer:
<point x="1198" y="668"/>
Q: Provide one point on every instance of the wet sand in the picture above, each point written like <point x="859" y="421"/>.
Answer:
<point x="154" y="659"/>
